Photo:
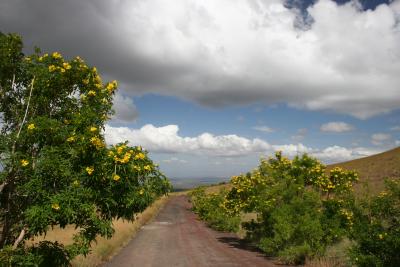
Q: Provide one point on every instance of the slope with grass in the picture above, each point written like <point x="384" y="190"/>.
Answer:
<point x="374" y="169"/>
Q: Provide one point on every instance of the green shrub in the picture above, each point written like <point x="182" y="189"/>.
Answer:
<point x="302" y="208"/>
<point x="210" y="208"/>
<point x="376" y="229"/>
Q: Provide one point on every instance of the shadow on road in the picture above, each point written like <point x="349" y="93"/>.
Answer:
<point x="240" y="244"/>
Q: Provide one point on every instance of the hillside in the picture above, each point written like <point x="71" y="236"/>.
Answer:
<point x="374" y="169"/>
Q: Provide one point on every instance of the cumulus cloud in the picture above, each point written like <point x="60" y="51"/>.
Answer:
<point x="336" y="127"/>
<point x="125" y="109"/>
<point x="166" y="139"/>
<point x="264" y="129"/>
<point x="380" y="138"/>
<point x="228" y="52"/>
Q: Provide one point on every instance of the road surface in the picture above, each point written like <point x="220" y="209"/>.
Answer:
<point x="178" y="238"/>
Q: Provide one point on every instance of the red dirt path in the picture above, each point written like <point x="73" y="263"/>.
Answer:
<point x="178" y="238"/>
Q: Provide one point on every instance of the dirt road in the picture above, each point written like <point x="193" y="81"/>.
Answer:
<point x="177" y="238"/>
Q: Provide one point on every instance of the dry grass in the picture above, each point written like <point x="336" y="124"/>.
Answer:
<point x="104" y="249"/>
<point x="374" y="169"/>
<point x="217" y="188"/>
<point x="324" y="262"/>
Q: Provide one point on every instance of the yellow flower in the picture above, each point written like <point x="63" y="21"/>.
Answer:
<point x="94" y="70"/>
<point x="28" y="59"/>
<point x="66" y="66"/>
<point x="110" y="87"/>
<point x="52" y="68"/>
<point x="380" y="236"/>
<point x="62" y="70"/>
<point x="137" y="168"/>
<point x="55" y="206"/>
<point x="93" y="129"/>
<point x="141" y="192"/>
<point x="147" y="168"/>
<point x="139" y="156"/>
<point x="24" y="163"/>
<point x="56" y="55"/>
<point x="116" y="177"/>
<point x="71" y="139"/>
<point x="89" y="170"/>
<point x="31" y="126"/>
<point x="76" y="183"/>
<point x="120" y="149"/>
<point x="83" y="97"/>
<point x="85" y="81"/>
<point x="91" y="93"/>
<point x="96" y="142"/>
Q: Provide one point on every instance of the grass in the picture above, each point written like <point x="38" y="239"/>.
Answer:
<point x="105" y="249"/>
<point x="374" y="169"/>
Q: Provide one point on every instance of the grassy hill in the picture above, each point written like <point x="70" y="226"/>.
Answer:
<point x="374" y="169"/>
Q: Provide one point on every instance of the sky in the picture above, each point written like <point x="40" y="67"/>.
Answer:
<point x="208" y="87"/>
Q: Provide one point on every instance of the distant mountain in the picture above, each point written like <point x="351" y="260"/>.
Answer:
<point x="374" y="169"/>
<point x="188" y="183"/>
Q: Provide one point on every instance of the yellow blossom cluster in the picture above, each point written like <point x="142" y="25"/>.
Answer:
<point x="24" y="163"/>
<point x="348" y="215"/>
<point x="31" y="126"/>
<point x="111" y="86"/>
<point x="56" y="55"/>
<point x="91" y="93"/>
<point x="147" y="168"/>
<point x="97" y="142"/>
<point x="116" y="177"/>
<point x="71" y="139"/>
<point x="55" y="206"/>
<point x="90" y="170"/>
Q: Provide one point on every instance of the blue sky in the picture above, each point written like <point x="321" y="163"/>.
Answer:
<point x="209" y="87"/>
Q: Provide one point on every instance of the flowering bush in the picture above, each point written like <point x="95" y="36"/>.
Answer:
<point x="301" y="207"/>
<point x="376" y="229"/>
<point x="210" y="208"/>
<point x="57" y="169"/>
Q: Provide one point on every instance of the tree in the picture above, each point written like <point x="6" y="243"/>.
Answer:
<point x="57" y="169"/>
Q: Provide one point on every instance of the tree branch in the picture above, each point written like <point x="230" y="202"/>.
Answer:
<point x="27" y="107"/>
<point x="19" y="239"/>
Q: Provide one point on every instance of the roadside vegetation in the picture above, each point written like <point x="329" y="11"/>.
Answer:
<point x="306" y="213"/>
<point x="56" y="170"/>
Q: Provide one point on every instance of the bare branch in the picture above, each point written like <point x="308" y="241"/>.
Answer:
<point x="27" y="107"/>
<point x="19" y="239"/>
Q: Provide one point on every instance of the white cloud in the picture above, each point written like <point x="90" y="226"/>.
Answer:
<point x="397" y="142"/>
<point x="264" y="129"/>
<point x="395" y="128"/>
<point x="125" y="109"/>
<point x="167" y="140"/>
<point x="334" y="154"/>
<point x="336" y="127"/>
<point x="380" y="138"/>
<point x="175" y="160"/>
<point x="292" y="150"/>
<point x="229" y="52"/>
<point x="300" y="135"/>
